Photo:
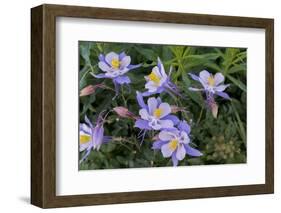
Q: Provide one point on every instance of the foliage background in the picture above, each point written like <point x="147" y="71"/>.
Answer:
<point x="221" y="140"/>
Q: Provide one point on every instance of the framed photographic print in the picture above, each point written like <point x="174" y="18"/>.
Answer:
<point x="136" y="106"/>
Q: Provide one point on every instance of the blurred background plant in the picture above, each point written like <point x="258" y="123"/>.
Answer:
<point x="221" y="140"/>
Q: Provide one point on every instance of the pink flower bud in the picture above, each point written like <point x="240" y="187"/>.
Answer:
<point x="176" y="109"/>
<point x="124" y="112"/>
<point x="88" y="90"/>
<point x="214" y="109"/>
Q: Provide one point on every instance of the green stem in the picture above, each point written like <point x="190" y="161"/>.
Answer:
<point x="200" y="116"/>
<point x="123" y="97"/>
<point x="84" y="75"/>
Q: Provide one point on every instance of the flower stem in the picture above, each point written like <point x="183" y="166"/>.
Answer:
<point x="123" y="97"/>
<point x="200" y="116"/>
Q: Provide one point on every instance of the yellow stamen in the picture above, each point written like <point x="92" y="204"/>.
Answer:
<point x="115" y="63"/>
<point x="157" y="112"/>
<point x="84" y="139"/>
<point x="211" y="80"/>
<point x="153" y="77"/>
<point x="173" y="144"/>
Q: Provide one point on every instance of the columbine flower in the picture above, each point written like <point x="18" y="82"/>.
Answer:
<point x="175" y="143"/>
<point x="158" y="81"/>
<point x="212" y="85"/>
<point x="155" y="115"/>
<point x="92" y="137"/>
<point x="115" y="67"/>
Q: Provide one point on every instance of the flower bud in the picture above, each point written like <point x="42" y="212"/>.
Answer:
<point x="176" y="109"/>
<point x="88" y="90"/>
<point x="124" y="112"/>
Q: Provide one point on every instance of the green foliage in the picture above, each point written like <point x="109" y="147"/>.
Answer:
<point x="221" y="140"/>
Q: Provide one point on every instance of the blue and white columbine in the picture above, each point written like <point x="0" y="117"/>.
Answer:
<point x="115" y="66"/>
<point x="155" y="115"/>
<point x="91" y="137"/>
<point x="212" y="85"/>
<point x="175" y="143"/>
<point x="158" y="81"/>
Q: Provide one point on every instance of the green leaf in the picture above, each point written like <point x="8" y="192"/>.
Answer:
<point x="147" y="53"/>
<point x="238" y="83"/>
<point x="241" y="129"/>
<point x="85" y="51"/>
<point x="237" y="68"/>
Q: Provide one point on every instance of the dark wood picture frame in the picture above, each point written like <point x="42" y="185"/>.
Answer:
<point x="43" y="105"/>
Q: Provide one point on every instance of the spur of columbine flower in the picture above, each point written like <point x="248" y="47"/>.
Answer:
<point x="212" y="85"/>
<point x="92" y="137"/>
<point x="158" y="81"/>
<point x="115" y="66"/>
<point x="155" y="115"/>
<point x="175" y="143"/>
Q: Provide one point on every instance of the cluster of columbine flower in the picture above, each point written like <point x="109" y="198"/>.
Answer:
<point x="172" y="133"/>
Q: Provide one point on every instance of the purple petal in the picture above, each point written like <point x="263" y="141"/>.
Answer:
<point x="183" y="126"/>
<point x="152" y="105"/>
<point x="221" y="88"/>
<point x="166" y="124"/>
<point x="166" y="151"/>
<point x="131" y="67"/>
<point x="223" y="95"/>
<point x="174" y="159"/>
<point x="172" y="118"/>
<point x="159" y="101"/>
<point x="104" y="66"/>
<point x="161" y="68"/>
<point x="204" y="75"/>
<point x="166" y="135"/>
<point x="86" y="154"/>
<point x="180" y="153"/>
<point x="84" y="146"/>
<point x="219" y="78"/>
<point x="191" y="151"/>
<point x="165" y="108"/>
<point x="87" y="120"/>
<point x="158" y="144"/>
<point x="99" y="75"/>
<point x="125" y="62"/>
<point x="156" y="71"/>
<point x="144" y="114"/>
<point x="110" y="56"/>
<point x="160" y="89"/>
<point x="101" y="57"/>
<point x="85" y="128"/>
<point x="140" y="101"/>
<point x="98" y="136"/>
<point x="151" y="86"/>
<point x="184" y="137"/>
<point x="122" y="55"/>
<point x="194" y="77"/>
<point x="142" y="124"/>
<point x="122" y="79"/>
